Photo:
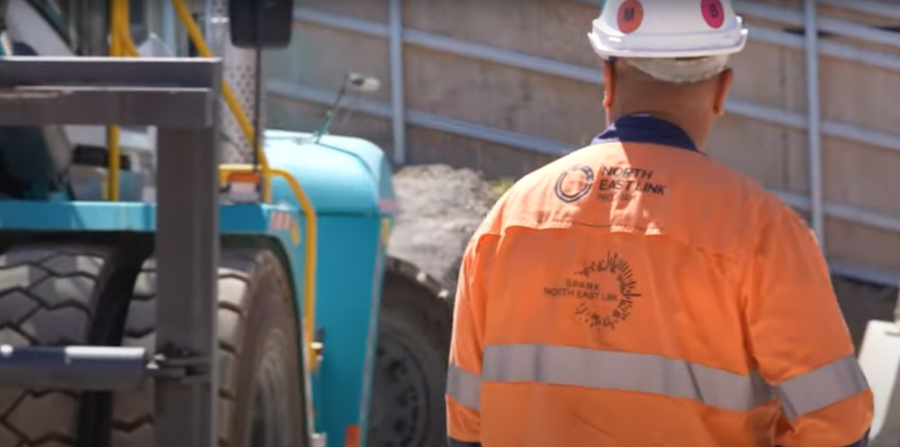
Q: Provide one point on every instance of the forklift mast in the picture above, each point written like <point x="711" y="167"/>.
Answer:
<point x="181" y="97"/>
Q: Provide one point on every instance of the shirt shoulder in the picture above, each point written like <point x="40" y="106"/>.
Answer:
<point x="500" y="214"/>
<point x="777" y="216"/>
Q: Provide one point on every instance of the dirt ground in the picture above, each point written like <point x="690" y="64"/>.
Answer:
<point x="441" y="207"/>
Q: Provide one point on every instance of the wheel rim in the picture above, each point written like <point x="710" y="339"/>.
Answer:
<point x="400" y="410"/>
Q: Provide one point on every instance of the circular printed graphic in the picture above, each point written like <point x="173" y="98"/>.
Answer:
<point x="574" y="183"/>
<point x="713" y="13"/>
<point x="631" y="14"/>
<point x="605" y="290"/>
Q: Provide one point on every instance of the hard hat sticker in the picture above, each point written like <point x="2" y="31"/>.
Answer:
<point x="631" y="14"/>
<point x="713" y="13"/>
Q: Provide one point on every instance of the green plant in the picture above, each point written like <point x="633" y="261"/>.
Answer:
<point x="585" y="139"/>
<point x="500" y="186"/>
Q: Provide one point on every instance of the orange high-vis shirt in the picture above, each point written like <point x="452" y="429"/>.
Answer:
<point x="636" y="293"/>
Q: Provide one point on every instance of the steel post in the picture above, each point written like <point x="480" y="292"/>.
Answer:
<point x="187" y="252"/>
<point x="813" y="113"/>
<point x="398" y="103"/>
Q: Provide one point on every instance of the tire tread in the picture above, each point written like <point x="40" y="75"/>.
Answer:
<point x="133" y="411"/>
<point x="48" y="297"/>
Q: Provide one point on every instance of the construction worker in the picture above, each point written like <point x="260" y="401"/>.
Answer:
<point x="636" y="293"/>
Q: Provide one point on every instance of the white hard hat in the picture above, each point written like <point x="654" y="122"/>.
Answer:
<point x="705" y="32"/>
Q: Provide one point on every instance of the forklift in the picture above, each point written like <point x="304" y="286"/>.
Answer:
<point x="152" y="295"/>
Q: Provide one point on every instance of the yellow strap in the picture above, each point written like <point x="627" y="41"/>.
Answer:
<point x="230" y="99"/>
<point x="122" y="45"/>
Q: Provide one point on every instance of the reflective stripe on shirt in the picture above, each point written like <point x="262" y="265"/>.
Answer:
<point x="464" y="387"/>
<point x="821" y="387"/>
<point x="611" y="370"/>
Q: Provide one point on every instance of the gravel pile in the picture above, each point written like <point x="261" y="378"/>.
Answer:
<point x="440" y="209"/>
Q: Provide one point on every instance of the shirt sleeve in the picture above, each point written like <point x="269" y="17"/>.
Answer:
<point x="798" y="337"/>
<point x="466" y="350"/>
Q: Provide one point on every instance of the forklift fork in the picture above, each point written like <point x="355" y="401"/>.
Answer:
<point x="181" y="97"/>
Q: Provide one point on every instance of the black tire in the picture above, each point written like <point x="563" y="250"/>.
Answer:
<point x="49" y="296"/>
<point x="258" y="348"/>
<point x="411" y="367"/>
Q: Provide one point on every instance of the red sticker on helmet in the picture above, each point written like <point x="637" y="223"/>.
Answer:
<point x="713" y="13"/>
<point x="631" y="14"/>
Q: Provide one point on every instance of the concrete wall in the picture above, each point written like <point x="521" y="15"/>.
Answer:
<point x="568" y="111"/>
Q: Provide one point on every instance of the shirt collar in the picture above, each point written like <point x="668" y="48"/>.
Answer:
<point x="643" y="128"/>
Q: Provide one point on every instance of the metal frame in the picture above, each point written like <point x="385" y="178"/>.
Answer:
<point x="398" y="103"/>
<point x="814" y="121"/>
<point x="585" y="74"/>
<point x="875" y="8"/>
<point x="180" y="96"/>
<point x="811" y="122"/>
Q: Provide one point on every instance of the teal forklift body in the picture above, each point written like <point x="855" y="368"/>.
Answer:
<point x="348" y="182"/>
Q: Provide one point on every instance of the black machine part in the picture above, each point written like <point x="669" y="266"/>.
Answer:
<point x="33" y="158"/>
<point x="261" y="23"/>
<point x="411" y="362"/>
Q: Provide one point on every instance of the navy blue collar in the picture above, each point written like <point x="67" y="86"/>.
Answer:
<point x="646" y="129"/>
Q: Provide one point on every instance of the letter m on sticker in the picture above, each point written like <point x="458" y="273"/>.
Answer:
<point x="628" y="14"/>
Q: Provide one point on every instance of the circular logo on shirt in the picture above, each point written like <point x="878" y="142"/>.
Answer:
<point x="607" y="290"/>
<point x="574" y="183"/>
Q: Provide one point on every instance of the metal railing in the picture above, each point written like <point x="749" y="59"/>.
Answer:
<point x="488" y="53"/>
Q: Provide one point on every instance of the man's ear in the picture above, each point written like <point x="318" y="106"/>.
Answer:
<point x="609" y="84"/>
<point x="722" y="88"/>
